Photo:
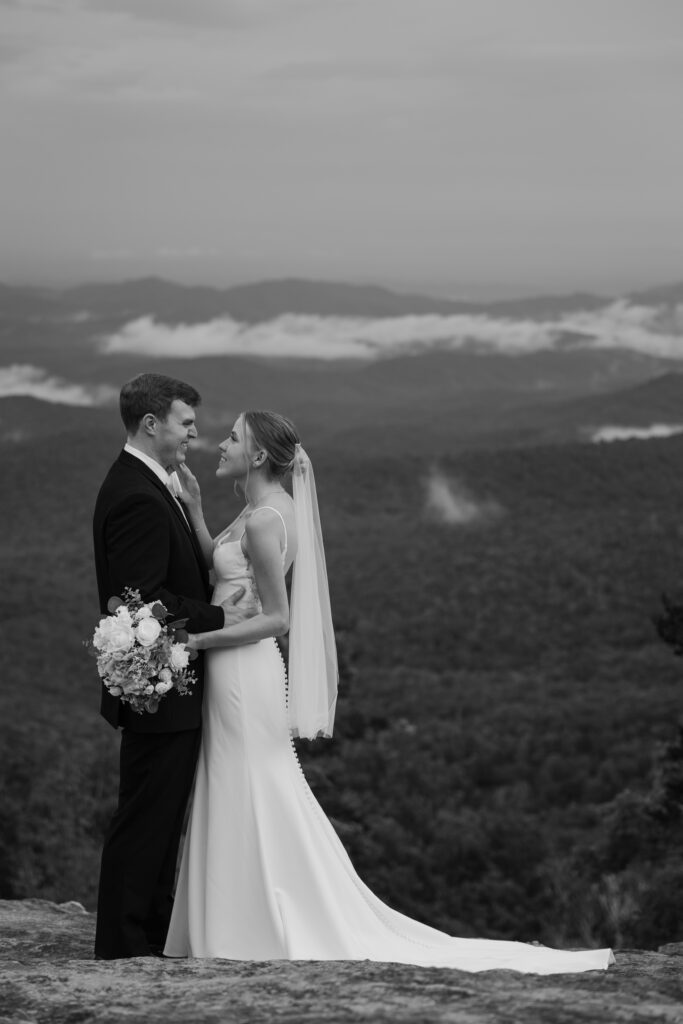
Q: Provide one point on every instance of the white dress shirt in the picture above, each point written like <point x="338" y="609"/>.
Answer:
<point x="170" y="480"/>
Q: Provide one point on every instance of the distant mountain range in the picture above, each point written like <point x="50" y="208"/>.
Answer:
<point x="572" y="382"/>
<point x="431" y="420"/>
<point x="265" y="300"/>
<point x="381" y="413"/>
<point x="658" y="400"/>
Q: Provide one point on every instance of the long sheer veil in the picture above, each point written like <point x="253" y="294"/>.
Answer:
<point x="313" y="672"/>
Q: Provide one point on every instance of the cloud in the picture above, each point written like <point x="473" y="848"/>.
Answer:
<point x="449" y="501"/>
<point x="306" y="337"/>
<point x="184" y="252"/>
<point x="656" y="430"/>
<point x="34" y="382"/>
<point x="649" y="330"/>
<point x="14" y="436"/>
<point x="126" y="52"/>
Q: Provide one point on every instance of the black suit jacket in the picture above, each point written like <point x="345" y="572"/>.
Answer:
<point x="142" y="540"/>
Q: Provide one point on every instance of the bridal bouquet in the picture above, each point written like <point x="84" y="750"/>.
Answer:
<point x="140" y="656"/>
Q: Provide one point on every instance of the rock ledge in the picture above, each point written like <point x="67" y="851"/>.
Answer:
<point x="48" y="976"/>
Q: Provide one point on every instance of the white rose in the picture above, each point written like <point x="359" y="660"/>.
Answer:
<point x="166" y="675"/>
<point x="123" y="615"/>
<point x="115" y="691"/>
<point x="104" y="665"/>
<point x="148" y="690"/>
<point x="163" y="687"/>
<point x="180" y="657"/>
<point x="99" y="638"/>
<point x="113" y="635"/>
<point x="148" y="631"/>
<point x="143" y="613"/>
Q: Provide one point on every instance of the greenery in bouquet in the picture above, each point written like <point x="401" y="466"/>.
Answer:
<point x="140" y="655"/>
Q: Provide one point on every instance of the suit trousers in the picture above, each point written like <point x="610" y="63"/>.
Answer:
<point x="137" y="873"/>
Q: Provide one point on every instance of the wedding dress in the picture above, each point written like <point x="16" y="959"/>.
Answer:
<point x="263" y="875"/>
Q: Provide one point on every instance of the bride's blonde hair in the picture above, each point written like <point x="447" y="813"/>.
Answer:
<point x="276" y="435"/>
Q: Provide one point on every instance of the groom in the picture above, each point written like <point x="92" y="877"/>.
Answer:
<point x="144" y="540"/>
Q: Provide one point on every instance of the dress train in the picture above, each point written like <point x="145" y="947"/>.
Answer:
<point x="263" y="874"/>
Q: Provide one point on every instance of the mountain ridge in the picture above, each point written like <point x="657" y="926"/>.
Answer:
<point x="262" y="300"/>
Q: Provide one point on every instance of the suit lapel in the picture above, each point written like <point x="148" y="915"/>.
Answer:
<point x="134" y="463"/>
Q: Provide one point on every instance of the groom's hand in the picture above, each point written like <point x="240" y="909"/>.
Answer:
<point x="232" y="613"/>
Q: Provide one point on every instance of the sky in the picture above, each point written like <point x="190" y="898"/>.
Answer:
<point x="471" y="148"/>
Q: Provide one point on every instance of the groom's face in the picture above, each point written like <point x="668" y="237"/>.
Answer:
<point x="174" y="434"/>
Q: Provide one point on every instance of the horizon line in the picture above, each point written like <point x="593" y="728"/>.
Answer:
<point x="425" y="291"/>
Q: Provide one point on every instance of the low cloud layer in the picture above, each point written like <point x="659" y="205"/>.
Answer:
<point x="34" y="382"/>
<point x="656" y="430"/>
<point x="449" y="501"/>
<point x="650" y="330"/>
<point x="14" y="436"/>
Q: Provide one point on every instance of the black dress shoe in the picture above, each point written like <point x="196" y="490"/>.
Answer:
<point x="153" y="951"/>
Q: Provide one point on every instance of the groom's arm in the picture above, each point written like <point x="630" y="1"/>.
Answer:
<point x="138" y="541"/>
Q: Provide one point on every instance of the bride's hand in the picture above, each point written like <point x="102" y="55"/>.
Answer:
<point x="192" y="495"/>
<point x="193" y="642"/>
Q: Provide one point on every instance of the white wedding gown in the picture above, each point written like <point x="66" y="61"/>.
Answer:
<point x="263" y="875"/>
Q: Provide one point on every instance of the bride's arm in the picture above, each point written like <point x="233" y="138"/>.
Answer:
<point x="263" y="542"/>
<point x="203" y="536"/>
<point x="192" y="502"/>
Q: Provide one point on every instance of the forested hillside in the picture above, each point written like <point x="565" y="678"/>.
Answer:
<point x="504" y="695"/>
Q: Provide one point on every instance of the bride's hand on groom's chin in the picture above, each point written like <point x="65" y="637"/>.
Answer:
<point x="192" y="495"/>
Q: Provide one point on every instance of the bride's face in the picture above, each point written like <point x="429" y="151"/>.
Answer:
<point x="235" y="452"/>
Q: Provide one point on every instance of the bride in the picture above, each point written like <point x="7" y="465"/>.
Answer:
<point x="263" y="875"/>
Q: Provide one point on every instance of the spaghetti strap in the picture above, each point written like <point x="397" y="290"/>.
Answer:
<point x="284" y="526"/>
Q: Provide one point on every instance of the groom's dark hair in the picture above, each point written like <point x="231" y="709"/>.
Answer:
<point x="155" y="393"/>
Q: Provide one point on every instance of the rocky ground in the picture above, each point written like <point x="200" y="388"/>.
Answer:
<point x="48" y="976"/>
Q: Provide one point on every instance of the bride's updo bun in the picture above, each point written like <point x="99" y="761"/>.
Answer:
<point x="277" y="436"/>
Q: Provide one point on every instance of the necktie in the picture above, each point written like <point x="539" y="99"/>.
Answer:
<point x="174" y="486"/>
